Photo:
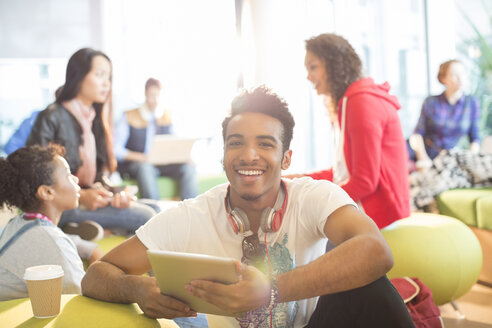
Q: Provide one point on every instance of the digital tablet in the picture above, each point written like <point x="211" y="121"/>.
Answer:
<point x="174" y="270"/>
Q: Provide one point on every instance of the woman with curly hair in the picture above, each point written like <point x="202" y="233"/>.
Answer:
<point x="78" y="121"/>
<point x="38" y="181"/>
<point x="371" y="156"/>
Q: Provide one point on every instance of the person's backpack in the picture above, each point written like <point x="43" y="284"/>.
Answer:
<point x="419" y="302"/>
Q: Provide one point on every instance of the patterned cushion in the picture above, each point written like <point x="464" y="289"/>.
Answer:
<point x="450" y="170"/>
<point x="478" y="166"/>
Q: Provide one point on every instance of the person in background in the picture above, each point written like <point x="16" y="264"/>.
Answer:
<point x="38" y="181"/>
<point x="446" y="118"/>
<point x="78" y="121"/>
<point x="370" y="153"/>
<point x="19" y="137"/>
<point x="276" y="227"/>
<point x="134" y="133"/>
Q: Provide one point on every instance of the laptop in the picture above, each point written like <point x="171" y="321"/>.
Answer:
<point x="174" y="270"/>
<point x="170" y="149"/>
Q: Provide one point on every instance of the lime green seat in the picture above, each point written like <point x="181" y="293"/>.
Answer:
<point x="439" y="250"/>
<point x="108" y="243"/>
<point x="484" y="212"/>
<point x="169" y="189"/>
<point x="207" y="182"/>
<point x="77" y="311"/>
<point x="470" y="205"/>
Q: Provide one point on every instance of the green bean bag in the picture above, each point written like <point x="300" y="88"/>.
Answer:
<point x="439" y="250"/>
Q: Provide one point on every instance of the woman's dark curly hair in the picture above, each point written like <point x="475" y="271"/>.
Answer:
<point x="23" y="171"/>
<point x="263" y="100"/>
<point x="342" y="64"/>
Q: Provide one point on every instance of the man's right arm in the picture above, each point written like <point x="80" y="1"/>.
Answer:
<point x="117" y="277"/>
<point x="113" y="278"/>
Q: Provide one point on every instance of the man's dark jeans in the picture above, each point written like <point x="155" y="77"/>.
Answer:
<point x="377" y="305"/>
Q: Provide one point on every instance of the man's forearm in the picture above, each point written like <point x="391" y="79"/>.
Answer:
<point x="135" y="156"/>
<point x="354" y="263"/>
<point x="106" y="282"/>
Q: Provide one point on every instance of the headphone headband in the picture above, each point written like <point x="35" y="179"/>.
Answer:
<point x="271" y="219"/>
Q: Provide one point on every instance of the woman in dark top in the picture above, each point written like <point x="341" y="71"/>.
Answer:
<point x="78" y="121"/>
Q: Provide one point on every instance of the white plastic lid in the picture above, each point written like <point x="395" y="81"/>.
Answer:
<point x="43" y="272"/>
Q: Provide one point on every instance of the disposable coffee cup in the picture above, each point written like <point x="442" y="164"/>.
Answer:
<point x="44" y="286"/>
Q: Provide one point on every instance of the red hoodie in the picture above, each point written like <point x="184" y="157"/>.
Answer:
<point x="375" y="152"/>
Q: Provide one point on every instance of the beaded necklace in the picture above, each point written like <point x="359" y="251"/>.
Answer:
<point x="37" y="215"/>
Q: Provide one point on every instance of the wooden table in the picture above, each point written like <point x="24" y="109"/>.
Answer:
<point x="79" y="311"/>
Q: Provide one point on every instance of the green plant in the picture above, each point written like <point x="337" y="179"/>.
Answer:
<point x="480" y="67"/>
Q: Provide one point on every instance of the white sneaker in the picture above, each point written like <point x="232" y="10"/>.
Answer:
<point x="87" y="230"/>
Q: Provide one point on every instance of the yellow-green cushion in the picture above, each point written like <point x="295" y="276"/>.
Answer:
<point x="168" y="188"/>
<point x="79" y="311"/>
<point x="108" y="243"/>
<point x="461" y="203"/>
<point x="208" y="182"/>
<point x="484" y="212"/>
<point x="442" y="251"/>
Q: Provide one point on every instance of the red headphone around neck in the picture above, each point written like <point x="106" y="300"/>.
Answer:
<point x="271" y="219"/>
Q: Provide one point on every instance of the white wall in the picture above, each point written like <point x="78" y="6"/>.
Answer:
<point x="278" y="53"/>
<point x="36" y="40"/>
<point x="48" y="28"/>
<point x="442" y="37"/>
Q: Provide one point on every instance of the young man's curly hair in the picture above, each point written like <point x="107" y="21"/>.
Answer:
<point x="263" y="100"/>
<point x="23" y="171"/>
<point x="343" y="65"/>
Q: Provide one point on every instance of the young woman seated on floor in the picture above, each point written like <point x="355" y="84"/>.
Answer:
<point x="38" y="181"/>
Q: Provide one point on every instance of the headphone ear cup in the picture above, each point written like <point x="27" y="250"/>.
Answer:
<point x="276" y="220"/>
<point x="241" y="219"/>
<point x="266" y="219"/>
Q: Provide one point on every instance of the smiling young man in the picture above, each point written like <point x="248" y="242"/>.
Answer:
<point x="278" y="230"/>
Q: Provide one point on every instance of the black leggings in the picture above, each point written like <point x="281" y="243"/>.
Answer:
<point x="377" y="304"/>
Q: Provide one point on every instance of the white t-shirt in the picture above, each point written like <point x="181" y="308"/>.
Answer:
<point x="201" y="226"/>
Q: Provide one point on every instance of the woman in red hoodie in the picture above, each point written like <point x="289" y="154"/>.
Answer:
<point x="371" y="156"/>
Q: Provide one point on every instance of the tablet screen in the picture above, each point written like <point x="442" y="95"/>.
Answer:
<point x="174" y="270"/>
